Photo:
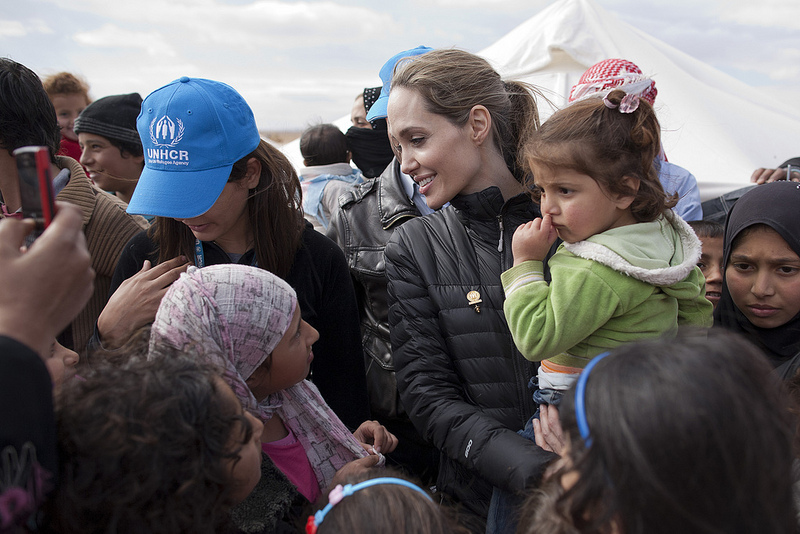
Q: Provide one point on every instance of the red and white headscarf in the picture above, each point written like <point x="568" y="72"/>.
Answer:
<point x="610" y="74"/>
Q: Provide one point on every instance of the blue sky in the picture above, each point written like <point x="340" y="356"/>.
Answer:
<point x="301" y="62"/>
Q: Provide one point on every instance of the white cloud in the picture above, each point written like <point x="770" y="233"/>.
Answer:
<point x="272" y="23"/>
<point x="495" y="4"/>
<point x="16" y="28"/>
<point x="12" y="28"/>
<point x="757" y="42"/>
<point x="769" y="13"/>
<point x="296" y="59"/>
<point x="781" y="66"/>
<point x="112" y="36"/>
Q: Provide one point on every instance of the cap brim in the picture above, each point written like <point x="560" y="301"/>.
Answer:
<point x="176" y="194"/>
<point x="378" y="109"/>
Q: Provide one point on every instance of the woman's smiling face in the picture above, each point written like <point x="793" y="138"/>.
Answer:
<point x="763" y="277"/>
<point x="441" y="157"/>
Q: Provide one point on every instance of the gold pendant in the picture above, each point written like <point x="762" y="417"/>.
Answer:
<point x="474" y="298"/>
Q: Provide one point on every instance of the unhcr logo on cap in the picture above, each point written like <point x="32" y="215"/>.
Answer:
<point x="165" y="130"/>
<point x="164" y="137"/>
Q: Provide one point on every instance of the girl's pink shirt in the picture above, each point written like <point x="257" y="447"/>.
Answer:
<point x="289" y="456"/>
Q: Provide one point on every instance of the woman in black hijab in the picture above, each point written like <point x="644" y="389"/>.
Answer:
<point x="761" y="286"/>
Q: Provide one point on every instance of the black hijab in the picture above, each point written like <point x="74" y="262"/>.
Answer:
<point x="776" y="205"/>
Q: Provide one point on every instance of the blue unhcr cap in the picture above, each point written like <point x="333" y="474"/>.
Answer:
<point x="378" y="109"/>
<point x="193" y="130"/>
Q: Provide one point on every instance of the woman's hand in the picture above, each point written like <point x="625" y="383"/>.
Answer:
<point x="532" y="240"/>
<point x="134" y="304"/>
<point x="547" y="430"/>
<point x="375" y="436"/>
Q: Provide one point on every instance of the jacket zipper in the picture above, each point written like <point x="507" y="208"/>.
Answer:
<point x="524" y="395"/>
<point x="397" y="218"/>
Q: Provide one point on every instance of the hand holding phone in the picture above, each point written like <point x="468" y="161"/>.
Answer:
<point x="36" y="185"/>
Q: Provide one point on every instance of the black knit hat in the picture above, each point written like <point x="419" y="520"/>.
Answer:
<point x="113" y="117"/>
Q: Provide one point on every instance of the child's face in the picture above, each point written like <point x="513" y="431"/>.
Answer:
<point x="61" y="363"/>
<point x="580" y="208"/>
<point x="763" y="278"/>
<point x="68" y="107"/>
<point x="711" y="265"/>
<point x="290" y="361"/>
<point x="246" y="469"/>
<point x="109" y="169"/>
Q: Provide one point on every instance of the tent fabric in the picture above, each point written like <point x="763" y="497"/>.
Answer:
<point x="714" y="125"/>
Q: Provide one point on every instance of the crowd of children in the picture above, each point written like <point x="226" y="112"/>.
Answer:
<point x="580" y="356"/>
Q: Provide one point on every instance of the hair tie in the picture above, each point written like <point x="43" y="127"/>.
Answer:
<point x="628" y="104"/>
<point x="339" y="492"/>
<point x="609" y="104"/>
<point x="580" y="400"/>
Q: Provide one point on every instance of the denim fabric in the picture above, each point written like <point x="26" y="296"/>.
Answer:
<point x="716" y="209"/>
<point x="505" y="506"/>
<point x="503" y="512"/>
<point x="540" y="396"/>
<point x="548" y="396"/>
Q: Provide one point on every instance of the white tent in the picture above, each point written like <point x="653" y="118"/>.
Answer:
<point x="719" y="128"/>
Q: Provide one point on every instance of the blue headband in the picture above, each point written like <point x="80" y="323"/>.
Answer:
<point x="580" y="399"/>
<point x="338" y="493"/>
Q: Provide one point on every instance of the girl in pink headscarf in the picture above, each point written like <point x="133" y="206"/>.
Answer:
<point x="247" y="321"/>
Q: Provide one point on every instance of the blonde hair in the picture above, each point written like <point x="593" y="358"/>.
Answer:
<point x="65" y="83"/>
<point x="453" y="81"/>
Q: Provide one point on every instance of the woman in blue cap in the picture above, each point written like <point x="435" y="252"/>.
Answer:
<point x="220" y="194"/>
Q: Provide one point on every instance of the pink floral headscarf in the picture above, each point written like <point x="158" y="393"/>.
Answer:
<point x="235" y="316"/>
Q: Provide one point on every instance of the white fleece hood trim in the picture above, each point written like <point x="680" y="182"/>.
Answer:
<point x="666" y="276"/>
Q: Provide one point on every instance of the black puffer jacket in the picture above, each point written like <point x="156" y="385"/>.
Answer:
<point x="461" y="379"/>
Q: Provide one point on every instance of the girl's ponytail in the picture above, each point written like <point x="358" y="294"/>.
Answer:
<point x="523" y="120"/>
<point x="644" y="137"/>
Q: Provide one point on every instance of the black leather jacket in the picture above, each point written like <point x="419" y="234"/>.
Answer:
<point x="460" y="377"/>
<point x="369" y="215"/>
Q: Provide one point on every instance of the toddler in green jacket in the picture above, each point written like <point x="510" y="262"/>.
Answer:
<point x="627" y="269"/>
